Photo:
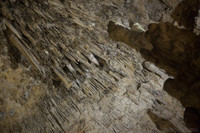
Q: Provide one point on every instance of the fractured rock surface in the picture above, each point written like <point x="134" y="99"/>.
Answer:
<point x="61" y="70"/>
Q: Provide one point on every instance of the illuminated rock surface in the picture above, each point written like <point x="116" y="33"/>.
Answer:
<point x="69" y="66"/>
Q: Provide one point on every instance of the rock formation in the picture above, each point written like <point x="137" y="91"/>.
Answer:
<point x="99" y="66"/>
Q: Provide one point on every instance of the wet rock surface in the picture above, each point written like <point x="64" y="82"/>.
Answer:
<point x="65" y="67"/>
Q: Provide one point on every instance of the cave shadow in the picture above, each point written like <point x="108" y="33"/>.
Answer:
<point x="185" y="12"/>
<point x="175" y="50"/>
<point x="162" y="124"/>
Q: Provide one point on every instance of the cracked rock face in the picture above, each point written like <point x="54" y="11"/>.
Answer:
<point x="65" y="66"/>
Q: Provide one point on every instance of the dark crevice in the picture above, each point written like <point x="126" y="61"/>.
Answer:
<point x="102" y="63"/>
<point x="185" y="13"/>
<point x="192" y="119"/>
<point x="14" y="53"/>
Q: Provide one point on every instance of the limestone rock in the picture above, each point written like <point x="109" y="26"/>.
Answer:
<point x="62" y="68"/>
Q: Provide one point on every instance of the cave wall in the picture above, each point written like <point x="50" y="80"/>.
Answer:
<point x="66" y="67"/>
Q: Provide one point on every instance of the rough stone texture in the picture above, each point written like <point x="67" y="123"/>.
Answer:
<point x="64" y="67"/>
